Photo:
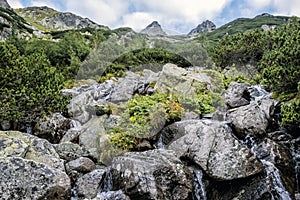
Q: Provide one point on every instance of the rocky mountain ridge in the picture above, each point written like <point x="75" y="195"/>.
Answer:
<point x="4" y="4"/>
<point x="50" y="19"/>
<point x="154" y="29"/>
<point x="206" y="26"/>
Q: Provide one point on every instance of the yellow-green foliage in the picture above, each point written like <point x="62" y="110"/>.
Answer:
<point x="291" y="112"/>
<point x="121" y="139"/>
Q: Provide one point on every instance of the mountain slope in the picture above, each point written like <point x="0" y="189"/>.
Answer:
<point x="241" y="25"/>
<point x="48" y="19"/>
<point x="206" y="26"/>
<point x="154" y="29"/>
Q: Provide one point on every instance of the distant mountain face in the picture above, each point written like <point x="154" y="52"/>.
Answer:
<point x="206" y="26"/>
<point x="48" y="19"/>
<point x="4" y="4"/>
<point x="264" y="21"/>
<point x="154" y="29"/>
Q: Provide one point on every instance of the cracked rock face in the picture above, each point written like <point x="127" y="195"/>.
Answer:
<point x="212" y="146"/>
<point x="155" y="174"/>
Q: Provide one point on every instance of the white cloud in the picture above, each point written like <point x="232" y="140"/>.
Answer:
<point x="292" y="7"/>
<point x="259" y="4"/>
<point x="15" y="3"/>
<point x="49" y="3"/>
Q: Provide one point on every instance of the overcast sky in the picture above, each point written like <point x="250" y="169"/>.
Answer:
<point x="175" y="16"/>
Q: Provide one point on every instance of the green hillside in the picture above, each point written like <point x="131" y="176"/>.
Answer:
<point x="242" y="25"/>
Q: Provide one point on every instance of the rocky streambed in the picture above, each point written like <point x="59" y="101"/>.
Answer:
<point x="237" y="152"/>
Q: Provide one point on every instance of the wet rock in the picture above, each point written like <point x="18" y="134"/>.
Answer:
<point x="52" y="128"/>
<point x="26" y="179"/>
<point x="280" y="156"/>
<point x="237" y="95"/>
<point x="252" y="119"/>
<point x="70" y="151"/>
<point x="155" y="174"/>
<point x="17" y="144"/>
<point x="89" y="184"/>
<point x="112" y="195"/>
<point x="212" y="146"/>
<point x="82" y="165"/>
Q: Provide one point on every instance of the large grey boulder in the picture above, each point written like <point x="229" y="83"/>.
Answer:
<point x="174" y="79"/>
<point x="252" y="119"/>
<point x="23" y="145"/>
<point x="112" y="195"/>
<point x="52" y="128"/>
<point x="155" y="174"/>
<point x="89" y="184"/>
<point x="27" y="179"/>
<point x="236" y="95"/>
<point x="70" y="151"/>
<point x="212" y="146"/>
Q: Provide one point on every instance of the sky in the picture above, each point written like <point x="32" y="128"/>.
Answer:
<point x="175" y="16"/>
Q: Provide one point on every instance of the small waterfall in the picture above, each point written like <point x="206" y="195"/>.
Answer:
<point x="199" y="187"/>
<point x="160" y="144"/>
<point x="108" y="182"/>
<point x="259" y="93"/>
<point x="274" y="181"/>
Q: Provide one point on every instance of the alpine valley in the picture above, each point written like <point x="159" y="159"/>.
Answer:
<point x="87" y="112"/>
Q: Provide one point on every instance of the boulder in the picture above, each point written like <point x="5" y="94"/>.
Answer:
<point x="237" y="95"/>
<point x="112" y="195"/>
<point x="252" y="119"/>
<point x="212" y="146"/>
<point x="23" y="145"/>
<point x="154" y="174"/>
<point x="275" y="155"/>
<point x="174" y="79"/>
<point x="126" y="88"/>
<point x="52" y="128"/>
<point x="82" y="164"/>
<point x="92" y="135"/>
<point x="27" y="179"/>
<point x="89" y="184"/>
<point x="70" y="151"/>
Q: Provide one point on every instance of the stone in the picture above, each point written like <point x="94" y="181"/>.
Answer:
<point x="23" y="145"/>
<point x="92" y="135"/>
<point x="154" y="174"/>
<point x="82" y="165"/>
<point x="52" y="128"/>
<point x="174" y="79"/>
<point x="212" y="146"/>
<point x="237" y="95"/>
<point x="252" y="119"/>
<point x="89" y="184"/>
<point x="112" y="195"/>
<point x="27" y="179"/>
<point x="70" y="151"/>
<point x="126" y="88"/>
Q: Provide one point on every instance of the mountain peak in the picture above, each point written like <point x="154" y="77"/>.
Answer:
<point x="4" y="4"/>
<point x="206" y="26"/>
<point x="154" y="29"/>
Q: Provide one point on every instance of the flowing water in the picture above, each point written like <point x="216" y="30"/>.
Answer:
<point x="274" y="182"/>
<point x="199" y="187"/>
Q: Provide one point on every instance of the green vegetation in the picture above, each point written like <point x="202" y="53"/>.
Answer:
<point x="243" y="25"/>
<point x="30" y="86"/>
<point x="274" y="54"/>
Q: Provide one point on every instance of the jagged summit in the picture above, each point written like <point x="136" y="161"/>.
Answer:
<point x="154" y="29"/>
<point x="4" y="4"/>
<point x="50" y="19"/>
<point x="206" y="26"/>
